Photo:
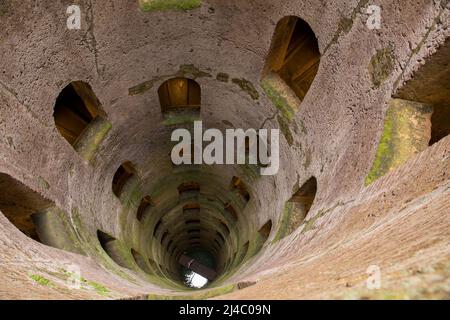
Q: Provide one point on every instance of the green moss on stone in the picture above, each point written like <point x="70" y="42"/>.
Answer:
<point x="181" y="117"/>
<point x="43" y="183"/>
<point x="41" y="280"/>
<point x="247" y="87"/>
<point x="310" y="224"/>
<point x="223" y="77"/>
<point x="56" y="230"/>
<point x="345" y="24"/>
<point x="256" y="244"/>
<point x="285" y="130"/>
<point x="407" y="131"/>
<point x="141" y="88"/>
<point x="284" y="223"/>
<point x="277" y="91"/>
<point x="384" y="153"/>
<point x="381" y="66"/>
<point x="279" y="101"/>
<point x="163" y="5"/>
<point x="251" y="171"/>
<point x="189" y="70"/>
<point x="4" y="8"/>
<point x="228" y="123"/>
<point x="88" y="144"/>
<point x="196" y="296"/>
<point x="100" y="289"/>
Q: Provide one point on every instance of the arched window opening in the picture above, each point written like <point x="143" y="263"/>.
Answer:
<point x="112" y="248"/>
<point x="192" y="221"/>
<point x="19" y="204"/>
<point x="297" y="208"/>
<point x="145" y="204"/>
<point x="104" y="238"/>
<point x="180" y="100"/>
<point x="157" y="227"/>
<point x="191" y="208"/>
<point x="169" y="244"/>
<point x="153" y="264"/>
<point x="238" y="185"/>
<point x="75" y="109"/>
<point x="140" y="261"/>
<point x="305" y="195"/>
<point x="220" y="236"/>
<point x="121" y="177"/>
<point x="189" y="189"/>
<point x="429" y="86"/>
<point x="244" y="251"/>
<point x="164" y="236"/>
<point x="227" y="230"/>
<point x="161" y="268"/>
<point x="230" y="209"/>
<point x="234" y="257"/>
<point x="418" y="115"/>
<point x="295" y="54"/>
<point x="264" y="232"/>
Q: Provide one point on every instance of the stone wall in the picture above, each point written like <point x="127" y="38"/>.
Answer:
<point x="400" y="222"/>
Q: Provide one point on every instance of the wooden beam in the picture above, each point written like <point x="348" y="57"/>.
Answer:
<point x="197" y="267"/>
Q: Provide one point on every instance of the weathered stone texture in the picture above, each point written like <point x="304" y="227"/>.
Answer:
<point x="396" y="216"/>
